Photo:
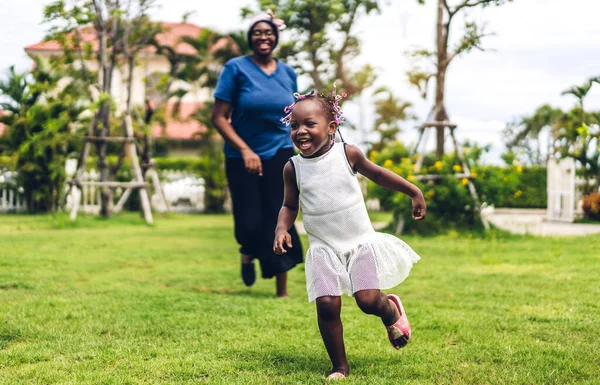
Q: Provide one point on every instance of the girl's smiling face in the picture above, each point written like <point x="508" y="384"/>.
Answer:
<point x="311" y="127"/>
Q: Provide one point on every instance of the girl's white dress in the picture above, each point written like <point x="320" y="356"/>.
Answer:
<point x="346" y="255"/>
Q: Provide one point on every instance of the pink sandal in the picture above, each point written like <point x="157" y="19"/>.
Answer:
<point x="399" y="333"/>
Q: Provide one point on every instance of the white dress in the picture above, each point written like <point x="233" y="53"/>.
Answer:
<point x="345" y="255"/>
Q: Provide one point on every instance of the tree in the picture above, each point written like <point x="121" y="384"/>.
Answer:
<point x="322" y="43"/>
<point x="120" y="30"/>
<point x="526" y="134"/>
<point x="574" y="133"/>
<point x="389" y="112"/>
<point x="43" y="121"/>
<point x="444" y="54"/>
<point x="580" y="92"/>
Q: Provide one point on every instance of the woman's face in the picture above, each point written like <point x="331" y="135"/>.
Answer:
<point x="262" y="38"/>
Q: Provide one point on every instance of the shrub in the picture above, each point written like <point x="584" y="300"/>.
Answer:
<point x="591" y="206"/>
<point x="449" y="201"/>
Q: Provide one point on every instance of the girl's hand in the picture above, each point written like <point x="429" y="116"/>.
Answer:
<point x="282" y="238"/>
<point x="419" y="207"/>
<point x="252" y="161"/>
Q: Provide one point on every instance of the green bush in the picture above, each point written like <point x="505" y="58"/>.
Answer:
<point x="8" y="162"/>
<point x="450" y="205"/>
<point x="514" y="186"/>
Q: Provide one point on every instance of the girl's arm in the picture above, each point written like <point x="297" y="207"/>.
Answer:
<point x="288" y="212"/>
<point x="387" y="179"/>
<point x="221" y="112"/>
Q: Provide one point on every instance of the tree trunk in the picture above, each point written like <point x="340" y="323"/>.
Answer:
<point x="103" y="119"/>
<point x="439" y="111"/>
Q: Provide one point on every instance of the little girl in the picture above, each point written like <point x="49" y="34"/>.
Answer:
<point x="346" y="256"/>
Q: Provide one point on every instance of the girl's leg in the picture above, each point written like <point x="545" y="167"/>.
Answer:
<point x="377" y="303"/>
<point x="330" y="326"/>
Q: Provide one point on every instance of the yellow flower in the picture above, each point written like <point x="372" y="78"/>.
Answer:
<point x="438" y="165"/>
<point x="473" y="175"/>
<point x="405" y="161"/>
<point x="518" y="193"/>
<point x="410" y="178"/>
<point x="430" y="194"/>
<point x="520" y="169"/>
<point x="457" y="168"/>
<point x="464" y="181"/>
<point x="388" y="163"/>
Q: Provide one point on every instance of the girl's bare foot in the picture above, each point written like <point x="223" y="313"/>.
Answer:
<point x="337" y="375"/>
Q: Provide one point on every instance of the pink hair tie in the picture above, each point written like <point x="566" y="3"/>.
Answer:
<point x="338" y="116"/>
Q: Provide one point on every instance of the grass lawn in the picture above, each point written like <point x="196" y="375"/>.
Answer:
<point x="119" y="302"/>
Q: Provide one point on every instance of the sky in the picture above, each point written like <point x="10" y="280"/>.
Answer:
<point x="539" y="49"/>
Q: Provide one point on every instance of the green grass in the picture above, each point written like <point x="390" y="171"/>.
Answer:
<point x="119" y="302"/>
<point x="381" y="216"/>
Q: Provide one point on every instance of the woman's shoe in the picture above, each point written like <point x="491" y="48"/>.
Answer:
<point x="248" y="273"/>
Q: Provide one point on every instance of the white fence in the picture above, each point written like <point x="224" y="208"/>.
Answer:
<point x="184" y="192"/>
<point x="11" y="196"/>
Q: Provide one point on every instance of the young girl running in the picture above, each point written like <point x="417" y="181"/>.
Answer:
<point x="346" y="256"/>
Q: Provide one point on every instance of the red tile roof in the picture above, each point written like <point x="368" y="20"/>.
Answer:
<point x="184" y="128"/>
<point x="171" y="36"/>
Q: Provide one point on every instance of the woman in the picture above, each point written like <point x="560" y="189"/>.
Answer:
<point x="251" y="94"/>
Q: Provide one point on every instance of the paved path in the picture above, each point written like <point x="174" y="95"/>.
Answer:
<point x="533" y="221"/>
<point x="521" y="221"/>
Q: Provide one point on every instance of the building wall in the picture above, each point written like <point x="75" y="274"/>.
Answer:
<point x="147" y="65"/>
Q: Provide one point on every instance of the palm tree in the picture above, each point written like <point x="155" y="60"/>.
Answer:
<point x="545" y="119"/>
<point x="580" y="92"/>
<point x="389" y="112"/>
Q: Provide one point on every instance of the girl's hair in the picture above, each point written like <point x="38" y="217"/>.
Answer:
<point x="329" y="104"/>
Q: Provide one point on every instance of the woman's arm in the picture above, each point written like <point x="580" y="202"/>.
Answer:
<point x="221" y="112"/>
<point x="387" y="179"/>
<point x="289" y="210"/>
